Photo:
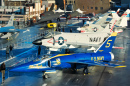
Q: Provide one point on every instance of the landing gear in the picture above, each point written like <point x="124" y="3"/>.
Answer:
<point x="67" y="51"/>
<point x="49" y="21"/>
<point x="85" y="71"/>
<point x="58" y="19"/>
<point x="74" y="68"/>
<point x="48" y="51"/>
<point x="45" y="76"/>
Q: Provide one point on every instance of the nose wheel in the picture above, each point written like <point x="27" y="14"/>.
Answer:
<point x="45" y="76"/>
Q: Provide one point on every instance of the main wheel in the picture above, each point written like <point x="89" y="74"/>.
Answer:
<point x="85" y="71"/>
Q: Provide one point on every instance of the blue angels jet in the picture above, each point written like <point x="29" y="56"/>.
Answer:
<point x="101" y="57"/>
<point x="9" y="29"/>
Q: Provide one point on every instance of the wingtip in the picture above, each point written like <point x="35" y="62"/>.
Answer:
<point x="120" y="66"/>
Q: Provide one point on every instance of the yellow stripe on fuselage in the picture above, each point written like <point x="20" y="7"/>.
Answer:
<point x="58" y="61"/>
<point x="60" y="55"/>
<point x="35" y="66"/>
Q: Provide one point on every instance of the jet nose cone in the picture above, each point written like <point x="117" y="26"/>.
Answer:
<point x="37" y="42"/>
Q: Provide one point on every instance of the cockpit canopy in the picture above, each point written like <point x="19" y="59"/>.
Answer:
<point x="48" y="34"/>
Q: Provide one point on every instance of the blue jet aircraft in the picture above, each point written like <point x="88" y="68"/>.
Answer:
<point x="101" y="57"/>
<point x="9" y="29"/>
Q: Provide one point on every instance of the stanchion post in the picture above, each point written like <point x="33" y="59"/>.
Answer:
<point x="17" y="44"/>
<point x="21" y="43"/>
<point x="36" y="54"/>
<point x="32" y="57"/>
<point x="8" y="73"/>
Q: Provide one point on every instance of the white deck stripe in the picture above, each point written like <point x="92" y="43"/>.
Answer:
<point x="17" y="55"/>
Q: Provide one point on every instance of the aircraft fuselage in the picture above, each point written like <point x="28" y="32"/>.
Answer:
<point x="62" y="61"/>
<point x="64" y="39"/>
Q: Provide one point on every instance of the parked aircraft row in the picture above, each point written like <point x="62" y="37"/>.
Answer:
<point x="90" y="39"/>
<point x="119" y="22"/>
<point x="51" y="14"/>
<point x="8" y="30"/>
<point x="101" y="57"/>
<point x="103" y="38"/>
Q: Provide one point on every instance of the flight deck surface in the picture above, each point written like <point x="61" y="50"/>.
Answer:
<point x="98" y="76"/>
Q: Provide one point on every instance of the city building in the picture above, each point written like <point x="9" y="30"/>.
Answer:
<point x="48" y="4"/>
<point x="2" y="3"/>
<point x="26" y="11"/>
<point x="60" y="4"/>
<point x="89" y="6"/>
<point x="70" y="5"/>
<point x="125" y="3"/>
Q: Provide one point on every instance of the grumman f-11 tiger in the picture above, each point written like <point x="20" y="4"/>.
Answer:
<point x="101" y="57"/>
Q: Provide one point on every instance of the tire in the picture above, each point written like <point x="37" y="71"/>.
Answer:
<point x="45" y="76"/>
<point x="85" y="71"/>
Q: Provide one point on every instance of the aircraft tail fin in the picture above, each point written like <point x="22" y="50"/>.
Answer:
<point x="11" y="20"/>
<point x="52" y="7"/>
<point x="126" y="13"/>
<point x="109" y="27"/>
<point x="115" y="15"/>
<point x="123" y="22"/>
<point x="107" y="45"/>
<point x="124" y="17"/>
<point x="118" y="11"/>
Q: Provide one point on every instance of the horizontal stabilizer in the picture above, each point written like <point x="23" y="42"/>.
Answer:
<point x="118" y="30"/>
<point x="117" y="47"/>
<point x="117" y="61"/>
<point x="54" y="49"/>
<point x="101" y="63"/>
<point x="92" y="48"/>
<point x="6" y="36"/>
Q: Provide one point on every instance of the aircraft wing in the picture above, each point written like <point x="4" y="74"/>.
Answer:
<point x="101" y="63"/>
<point x="27" y="69"/>
<point x="9" y="29"/>
<point x="30" y="67"/>
<point x="99" y="21"/>
<point x="50" y="17"/>
<point x="81" y="44"/>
